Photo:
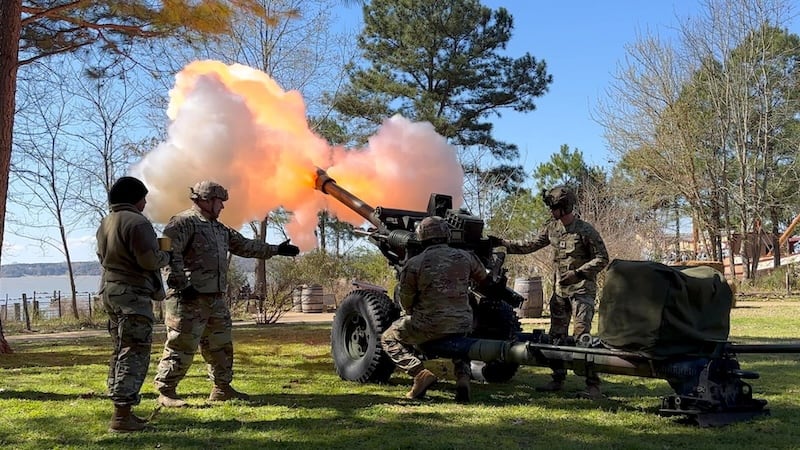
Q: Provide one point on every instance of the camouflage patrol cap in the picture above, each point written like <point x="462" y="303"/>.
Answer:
<point x="207" y="190"/>
<point x="560" y="197"/>
<point x="433" y="228"/>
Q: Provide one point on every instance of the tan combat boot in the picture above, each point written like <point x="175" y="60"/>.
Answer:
<point x="224" y="392"/>
<point x="553" y="386"/>
<point x="168" y="398"/>
<point x="124" y="421"/>
<point x="462" y="388"/>
<point x="461" y="370"/>
<point x="592" y="392"/>
<point x="422" y="381"/>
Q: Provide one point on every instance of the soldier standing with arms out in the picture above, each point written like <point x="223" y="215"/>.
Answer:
<point x="195" y="309"/>
<point x="128" y="251"/>
<point x="434" y="293"/>
<point x="580" y="255"/>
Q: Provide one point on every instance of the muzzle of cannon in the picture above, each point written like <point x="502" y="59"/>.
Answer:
<point x="328" y="185"/>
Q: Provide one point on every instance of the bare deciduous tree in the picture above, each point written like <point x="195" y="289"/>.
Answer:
<point x="47" y="175"/>
<point x="702" y="121"/>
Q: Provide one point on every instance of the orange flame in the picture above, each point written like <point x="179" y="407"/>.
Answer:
<point x="236" y="126"/>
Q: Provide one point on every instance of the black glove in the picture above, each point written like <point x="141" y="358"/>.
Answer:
<point x="287" y="249"/>
<point x="495" y="241"/>
<point x="570" y="277"/>
<point x="189" y="293"/>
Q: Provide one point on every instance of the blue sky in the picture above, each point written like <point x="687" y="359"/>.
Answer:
<point x="582" y="43"/>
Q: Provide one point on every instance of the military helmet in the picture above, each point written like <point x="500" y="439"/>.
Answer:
<point x="207" y="190"/>
<point x="433" y="228"/>
<point x="560" y="197"/>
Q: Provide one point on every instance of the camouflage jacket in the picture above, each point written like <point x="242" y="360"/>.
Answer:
<point x="434" y="288"/>
<point x="128" y="250"/>
<point x="200" y="251"/>
<point x="578" y="246"/>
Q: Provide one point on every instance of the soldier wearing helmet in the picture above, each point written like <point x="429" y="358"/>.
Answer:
<point x="196" y="313"/>
<point x="434" y="293"/>
<point x="579" y="255"/>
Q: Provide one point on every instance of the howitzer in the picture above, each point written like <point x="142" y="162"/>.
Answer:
<point x="393" y="232"/>
<point x="707" y="379"/>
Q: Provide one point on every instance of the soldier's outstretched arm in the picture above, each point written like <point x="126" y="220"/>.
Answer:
<point x="249" y="248"/>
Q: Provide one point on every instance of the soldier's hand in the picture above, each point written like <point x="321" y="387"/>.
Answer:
<point x="495" y="241"/>
<point x="287" y="249"/>
<point x="189" y="293"/>
<point x="570" y="277"/>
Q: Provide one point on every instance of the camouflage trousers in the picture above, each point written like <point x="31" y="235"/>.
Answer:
<point x="562" y="310"/>
<point x="130" y="324"/>
<point x="204" y="322"/>
<point x="399" y="339"/>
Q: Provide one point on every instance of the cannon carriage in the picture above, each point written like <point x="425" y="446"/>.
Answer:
<point x="655" y="322"/>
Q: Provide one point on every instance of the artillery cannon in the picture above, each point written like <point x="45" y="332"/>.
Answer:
<point x="703" y="371"/>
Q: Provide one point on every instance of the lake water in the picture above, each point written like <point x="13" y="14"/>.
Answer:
<point x="13" y="288"/>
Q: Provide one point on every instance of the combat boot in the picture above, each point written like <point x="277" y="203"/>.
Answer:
<point x="124" y="421"/>
<point x="592" y="392"/>
<point x="224" y="392"/>
<point x="553" y="386"/>
<point x="422" y="381"/>
<point x="168" y="398"/>
<point x="462" y="388"/>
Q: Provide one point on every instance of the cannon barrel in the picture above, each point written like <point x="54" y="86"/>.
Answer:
<point x="327" y="185"/>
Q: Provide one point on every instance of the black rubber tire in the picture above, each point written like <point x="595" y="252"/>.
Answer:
<point x="359" y="321"/>
<point x="495" y="320"/>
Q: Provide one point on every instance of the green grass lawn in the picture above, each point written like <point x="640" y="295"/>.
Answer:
<point x="52" y="396"/>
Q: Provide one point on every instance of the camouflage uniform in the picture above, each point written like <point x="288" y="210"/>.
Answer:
<point x="578" y="247"/>
<point x="433" y="292"/>
<point x="128" y="251"/>
<point x="200" y="250"/>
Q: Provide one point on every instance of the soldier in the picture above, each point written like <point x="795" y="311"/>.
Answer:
<point x="195" y="309"/>
<point x="434" y="294"/>
<point x="580" y="255"/>
<point x="128" y="251"/>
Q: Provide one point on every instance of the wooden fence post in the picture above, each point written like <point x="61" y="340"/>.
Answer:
<point x="25" y="311"/>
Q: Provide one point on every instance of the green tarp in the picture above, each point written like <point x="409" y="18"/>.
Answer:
<point x="661" y="310"/>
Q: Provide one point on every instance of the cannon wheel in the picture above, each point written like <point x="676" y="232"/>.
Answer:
<point x="359" y="321"/>
<point x="495" y="320"/>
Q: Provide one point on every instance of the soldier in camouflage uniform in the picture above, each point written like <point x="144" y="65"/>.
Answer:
<point x="579" y="256"/>
<point x="434" y="293"/>
<point x="128" y="251"/>
<point x="195" y="308"/>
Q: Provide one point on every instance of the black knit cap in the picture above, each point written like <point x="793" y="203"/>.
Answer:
<point x="127" y="190"/>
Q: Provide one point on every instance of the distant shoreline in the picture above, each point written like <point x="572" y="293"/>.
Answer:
<point x="79" y="268"/>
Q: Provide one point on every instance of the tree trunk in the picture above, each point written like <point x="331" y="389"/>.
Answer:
<point x="323" y="233"/>
<point x="10" y="22"/>
<point x="261" y="265"/>
<point x="774" y="239"/>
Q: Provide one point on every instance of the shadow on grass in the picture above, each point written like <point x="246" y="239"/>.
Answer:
<point x="54" y="359"/>
<point x="10" y="394"/>
<point x="413" y="427"/>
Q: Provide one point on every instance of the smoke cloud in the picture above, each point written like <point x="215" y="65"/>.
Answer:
<point x="235" y="125"/>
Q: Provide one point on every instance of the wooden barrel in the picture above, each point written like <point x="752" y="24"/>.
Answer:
<point x="530" y="288"/>
<point x="297" y="298"/>
<point x="311" y="299"/>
